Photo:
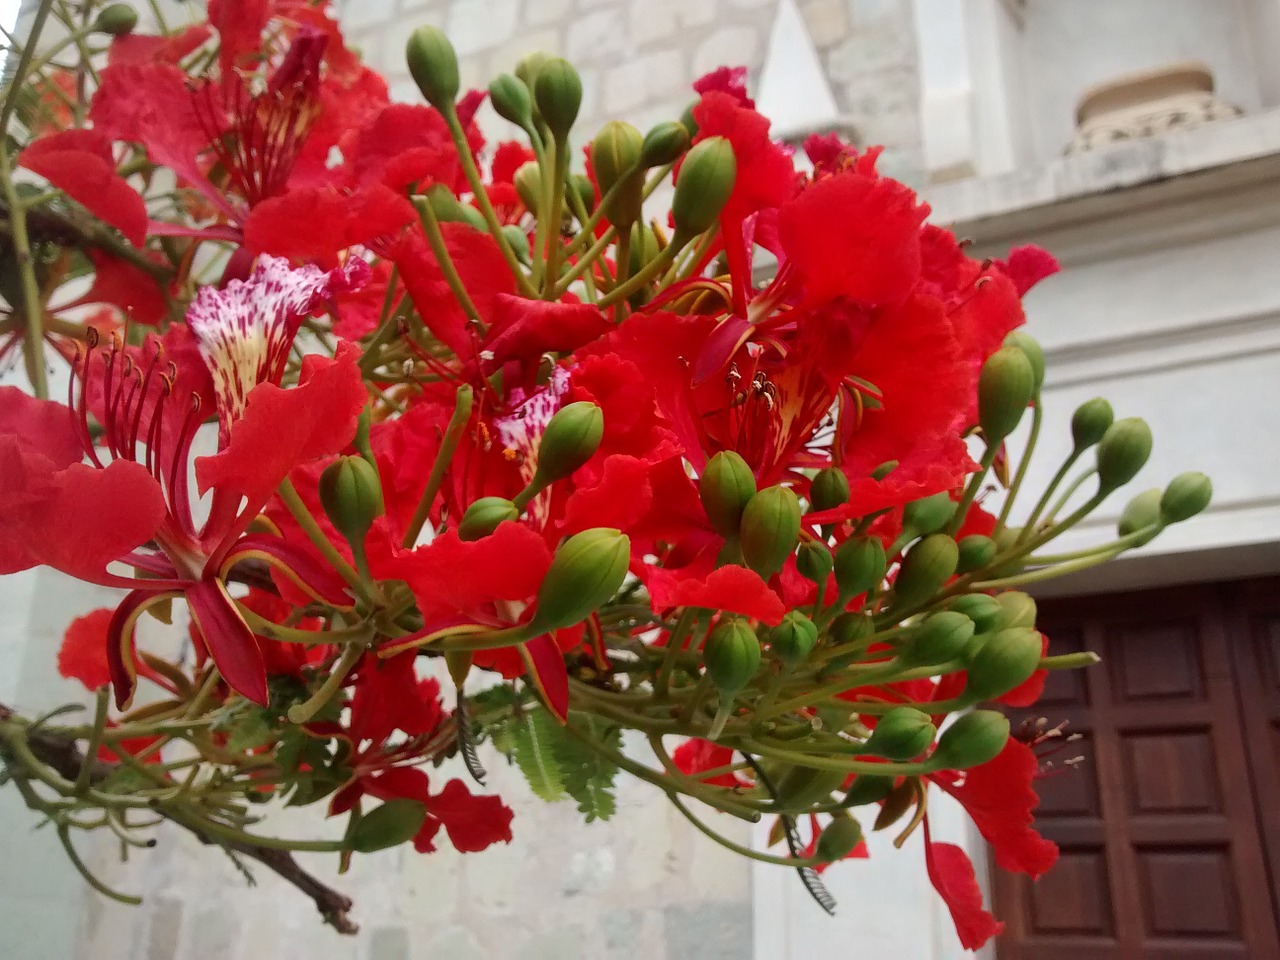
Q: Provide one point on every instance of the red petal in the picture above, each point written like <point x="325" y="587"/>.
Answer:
<point x="953" y="877"/>
<point x="143" y="48"/>
<point x="732" y="589"/>
<point x="525" y="329"/>
<point x="282" y="428"/>
<point x="389" y="696"/>
<point x="122" y="284"/>
<point x="622" y="496"/>
<point x="545" y="665"/>
<point x="765" y="174"/>
<point x="1028" y="265"/>
<point x="42" y="424"/>
<point x="79" y="162"/>
<point x="239" y="24"/>
<point x="473" y="822"/>
<point x="335" y="221"/>
<point x="229" y="640"/>
<point x="83" y="654"/>
<point x="698" y="756"/>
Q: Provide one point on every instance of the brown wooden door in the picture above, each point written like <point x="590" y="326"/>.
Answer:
<point x="1159" y="823"/>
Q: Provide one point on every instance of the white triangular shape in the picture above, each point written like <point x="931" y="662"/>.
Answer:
<point x="794" y="91"/>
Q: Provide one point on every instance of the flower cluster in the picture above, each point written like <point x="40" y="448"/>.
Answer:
<point x="440" y="441"/>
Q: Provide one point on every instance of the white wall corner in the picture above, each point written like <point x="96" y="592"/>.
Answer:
<point x="946" y="89"/>
<point x="794" y="89"/>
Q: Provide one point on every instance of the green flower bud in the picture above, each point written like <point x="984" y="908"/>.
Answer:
<point x="388" y="825"/>
<point x="940" y="639"/>
<point x="511" y="100"/>
<point x="1007" y="540"/>
<point x="558" y="93"/>
<point x="725" y="488"/>
<point x="581" y="184"/>
<point x="1123" y="451"/>
<point x="117" y="19"/>
<point x="860" y="564"/>
<point x="644" y="247"/>
<point x="664" y="144"/>
<point x="976" y="552"/>
<point x="351" y="495"/>
<point x="1017" y="609"/>
<point x="615" y="156"/>
<point x="1186" y="495"/>
<point x="867" y="788"/>
<point x="839" y="839"/>
<point x="814" y="561"/>
<point x="703" y="186"/>
<point x="433" y="64"/>
<point x="732" y="655"/>
<point x="799" y="788"/>
<point x="585" y="573"/>
<point x="793" y="639"/>
<point x="882" y="471"/>
<point x="829" y="489"/>
<point x="528" y="183"/>
<point x="484" y="516"/>
<point x="687" y="121"/>
<point x="928" y="515"/>
<point x="769" y="529"/>
<point x="571" y="438"/>
<point x="925" y="570"/>
<point x="1005" y="387"/>
<point x="1004" y="661"/>
<point x="1090" y="422"/>
<point x="1142" y="511"/>
<point x="530" y="66"/>
<point x="901" y="734"/>
<point x="983" y="610"/>
<point x="975" y="738"/>
<point x="1035" y="353"/>
<point x="519" y="242"/>
<point x="851" y="627"/>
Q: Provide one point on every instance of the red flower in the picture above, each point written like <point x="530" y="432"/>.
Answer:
<point x="696" y="756"/>
<point x="951" y="873"/>
<point x="79" y="162"/>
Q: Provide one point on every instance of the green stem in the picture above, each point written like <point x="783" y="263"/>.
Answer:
<point x="646" y="273"/>
<point x="972" y="488"/>
<point x="19" y="76"/>
<point x="555" y="245"/>
<point x="444" y="456"/>
<point x="1012" y="494"/>
<point x="1043" y="502"/>
<point x="675" y="644"/>
<point x="301" y="713"/>
<point x="289" y="497"/>
<point x="94" y="742"/>
<point x="33" y="304"/>
<point x="64" y="837"/>
<point x="738" y="848"/>
<point x="431" y="227"/>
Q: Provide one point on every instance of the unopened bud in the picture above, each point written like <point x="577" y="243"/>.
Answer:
<point x="928" y="515"/>
<point x="982" y="609"/>
<point x="484" y="516"/>
<point x="351" y="495"/>
<point x="581" y="185"/>
<point x="511" y="100"/>
<point x="1017" y="609"/>
<point x="1035" y="353"/>
<point x="840" y="838"/>
<point x="664" y="144"/>
<point x="793" y="639"/>
<point x="976" y="552"/>
<point x="519" y="242"/>
<point x="388" y="825"/>
<point x="687" y="121"/>
<point x="584" y="574"/>
<point x="799" y="788"/>
<point x="644" y="247"/>
<point x="571" y="438"/>
<point x="528" y="183"/>
<point x="1005" y="387"/>
<point x="882" y="471"/>
<point x="615" y="158"/>
<point x="117" y="19"/>
<point x="1003" y="661"/>
<point x="558" y="93"/>
<point x="851" y="627"/>
<point x="433" y="64"/>
<point x="901" y="734"/>
<point x="732" y="655"/>
<point x="940" y="639"/>
<point x="829" y="489"/>
<point x="725" y="488"/>
<point x="975" y="738"/>
<point x="703" y="186"/>
<point x="769" y="529"/>
<point x="1141" y="512"/>
<point x="1123" y="451"/>
<point x="925" y="570"/>
<point x="530" y="66"/>
<point x="860" y="564"/>
<point x="814" y="561"/>
<point x="1186" y="495"/>
<point x="867" y="788"/>
<point x="1090" y="422"/>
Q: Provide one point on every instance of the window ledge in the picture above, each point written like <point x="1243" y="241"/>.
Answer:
<point x="1109" y="182"/>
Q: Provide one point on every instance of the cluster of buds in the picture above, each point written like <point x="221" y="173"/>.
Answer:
<point x="494" y="432"/>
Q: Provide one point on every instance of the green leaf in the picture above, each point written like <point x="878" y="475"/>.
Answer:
<point x="588" y="776"/>
<point x="536" y="754"/>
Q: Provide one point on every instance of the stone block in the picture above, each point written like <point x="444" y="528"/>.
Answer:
<point x="389" y="943"/>
<point x="709" y="931"/>
<point x="165" y="932"/>
<point x="728" y="47"/>
<point x="826" y="20"/>
<point x="455" y="943"/>
<point x="549" y="12"/>
<point x="641" y="80"/>
<point x="565" y="943"/>
<point x="653" y="20"/>
<point x="600" y="35"/>
<point x="368" y="13"/>
<point x="475" y="25"/>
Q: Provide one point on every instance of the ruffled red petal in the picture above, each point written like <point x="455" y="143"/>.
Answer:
<point x="79" y="163"/>
<point x="83" y="654"/>
<point x="952" y="875"/>
<point x="732" y="589"/>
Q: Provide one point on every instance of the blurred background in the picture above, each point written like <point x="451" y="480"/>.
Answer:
<point x="1137" y="140"/>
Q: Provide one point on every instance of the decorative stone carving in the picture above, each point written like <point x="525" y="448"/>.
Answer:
<point x="1148" y="104"/>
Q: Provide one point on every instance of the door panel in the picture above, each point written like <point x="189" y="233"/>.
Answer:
<point x="1154" y="811"/>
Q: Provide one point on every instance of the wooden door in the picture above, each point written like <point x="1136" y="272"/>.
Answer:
<point x="1158" y="824"/>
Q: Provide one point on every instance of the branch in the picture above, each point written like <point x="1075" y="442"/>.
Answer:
<point x="62" y="755"/>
